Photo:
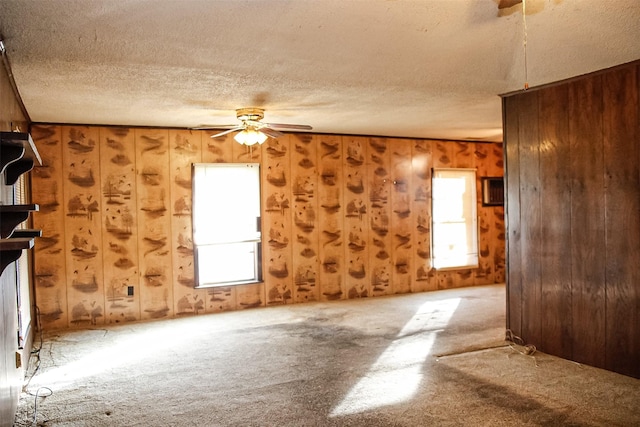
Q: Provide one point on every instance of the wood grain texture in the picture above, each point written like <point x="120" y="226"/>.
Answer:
<point x="330" y="218"/>
<point x="119" y="222"/>
<point x="401" y="216"/>
<point x="621" y="180"/>
<point x="555" y="188"/>
<point x="530" y="218"/>
<point x="221" y="298"/>
<point x="380" y="238"/>
<point x="154" y="223"/>
<point x="356" y="218"/>
<point x="423" y="273"/>
<point x="185" y="148"/>
<point x="49" y="257"/>
<point x="511" y="107"/>
<point x="587" y="220"/>
<point x="219" y="150"/>
<point x="277" y="196"/>
<point x="588" y="170"/>
<point x="306" y="231"/>
<point x="83" y="225"/>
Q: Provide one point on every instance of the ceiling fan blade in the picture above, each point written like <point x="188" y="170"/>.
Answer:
<point x="206" y="127"/>
<point x="237" y="128"/>
<point x="288" y="126"/>
<point x="270" y="132"/>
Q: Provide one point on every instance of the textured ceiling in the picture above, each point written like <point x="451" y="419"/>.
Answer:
<point x="428" y="68"/>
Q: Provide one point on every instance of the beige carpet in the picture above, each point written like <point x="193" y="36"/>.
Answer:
<point x="430" y="359"/>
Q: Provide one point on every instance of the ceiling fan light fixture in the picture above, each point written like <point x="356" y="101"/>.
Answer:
<point x="250" y="136"/>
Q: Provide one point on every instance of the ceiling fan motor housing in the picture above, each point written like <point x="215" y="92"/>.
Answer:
<point x="254" y="114"/>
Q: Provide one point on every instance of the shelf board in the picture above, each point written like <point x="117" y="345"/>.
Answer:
<point x="12" y="215"/>
<point x="11" y="249"/>
<point x="26" y="232"/>
<point x="19" y="155"/>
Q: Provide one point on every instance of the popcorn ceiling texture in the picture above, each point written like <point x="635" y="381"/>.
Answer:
<point x="432" y="69"/>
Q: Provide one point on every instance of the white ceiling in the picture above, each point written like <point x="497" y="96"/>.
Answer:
<point x="429" y="68"/>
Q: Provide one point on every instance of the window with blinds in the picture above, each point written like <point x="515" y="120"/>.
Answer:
<point x="454" y="219"/>
<point x="226" y="223"/>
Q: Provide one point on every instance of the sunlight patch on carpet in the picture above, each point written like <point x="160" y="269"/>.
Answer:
<point x="396" y="374"/>
<point x="127" y="351"/>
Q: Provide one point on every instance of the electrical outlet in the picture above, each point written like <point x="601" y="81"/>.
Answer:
<point x="130" y="291"/>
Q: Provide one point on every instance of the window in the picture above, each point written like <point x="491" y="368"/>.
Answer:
<point x="454" y="228"/>
<point x="226" y="223"/>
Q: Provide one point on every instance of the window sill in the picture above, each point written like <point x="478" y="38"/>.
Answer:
<point x="228" y="284"/>
<point x="457" y="267"/>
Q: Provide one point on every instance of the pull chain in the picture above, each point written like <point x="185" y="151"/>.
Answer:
<point x="524" y="25"/>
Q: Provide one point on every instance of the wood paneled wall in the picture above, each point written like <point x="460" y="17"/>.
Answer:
<point x="573" y="208"/>
<point x="343" y="217"/>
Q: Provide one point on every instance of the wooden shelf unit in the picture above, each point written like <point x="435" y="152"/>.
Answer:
<point x="18" y="155"/>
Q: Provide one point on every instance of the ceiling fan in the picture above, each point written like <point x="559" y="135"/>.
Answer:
<point x="252" y="130"/>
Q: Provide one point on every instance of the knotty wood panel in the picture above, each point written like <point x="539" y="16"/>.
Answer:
<point x="511" y="108"/>
<point x="555" y="188"/>
<point x="119" y="224"/>
<point x="305" y="233"/>
<point x="587" y="220"/>
<point x="277" y="204"/>
<point x="622" y="178"/>
<point x="423" y="275"/>
<point x="356" y="218"/>
<point x="83" y="225"/>
<point x="330" y="218"/>
<point x="49" y="261"/>
<point x="185" y="148"/>
<point x="380" y="240"/>
<point x="154" y="223"/>
<point x="401" y="221"/>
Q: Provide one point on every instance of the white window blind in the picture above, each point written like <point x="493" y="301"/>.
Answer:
<point x="454" y="214"/>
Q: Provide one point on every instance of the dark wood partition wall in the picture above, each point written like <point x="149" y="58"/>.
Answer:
<point x="572" y="172"/>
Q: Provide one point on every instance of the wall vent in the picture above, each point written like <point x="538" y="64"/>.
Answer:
<point x="492" y="191"/>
